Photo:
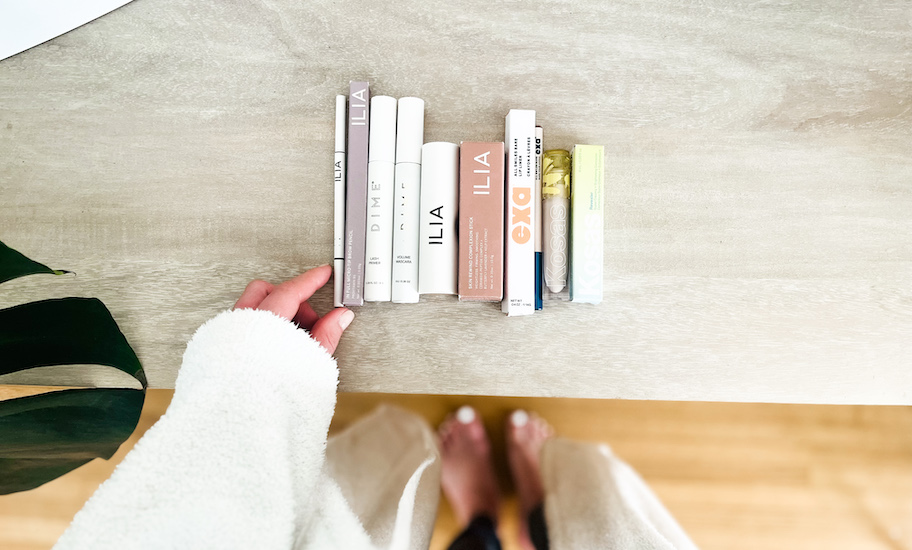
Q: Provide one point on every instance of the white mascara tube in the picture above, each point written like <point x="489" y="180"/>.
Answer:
<point x="381" y="159"/>
<point x="437" y="257"/>
<point x="339" y="202"/>
<point x="406" y="213"/>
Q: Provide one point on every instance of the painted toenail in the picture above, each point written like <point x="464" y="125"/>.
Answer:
<point x="465" y="414"/>
<point x="519" y="418"/>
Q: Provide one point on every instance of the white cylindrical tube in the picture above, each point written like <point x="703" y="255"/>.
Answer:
<point x="437" y="259"/>
<point x="380" y="174"/>
<point x="406" y="211"/>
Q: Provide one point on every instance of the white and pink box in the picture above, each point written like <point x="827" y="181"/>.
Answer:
<point x="519" y="215"/>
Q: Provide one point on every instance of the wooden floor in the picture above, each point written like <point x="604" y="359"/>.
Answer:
<point x="743" y="476"/>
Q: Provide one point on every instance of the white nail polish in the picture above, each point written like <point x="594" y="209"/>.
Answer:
<point x="519" y="418"/>
<point x="465" y="414"/>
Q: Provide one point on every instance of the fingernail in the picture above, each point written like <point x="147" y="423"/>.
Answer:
<point x="465" y="414"/>
<point x="519" y="418"/>
<point x="346" y="319"/>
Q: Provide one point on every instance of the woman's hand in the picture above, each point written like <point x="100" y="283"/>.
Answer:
<point x="289" y="300"/>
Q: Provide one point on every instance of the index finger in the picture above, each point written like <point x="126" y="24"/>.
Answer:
<point x="253" y="295"/>
<point x="285" y="300"/>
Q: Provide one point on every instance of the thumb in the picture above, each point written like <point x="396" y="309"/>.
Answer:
<point x="328" y="330"/>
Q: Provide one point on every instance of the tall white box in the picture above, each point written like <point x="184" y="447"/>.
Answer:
<point x="519" y="218"/>
<point x="587" y="219"/>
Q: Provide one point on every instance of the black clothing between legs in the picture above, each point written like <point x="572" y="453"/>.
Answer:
<point x="481" y="533"/>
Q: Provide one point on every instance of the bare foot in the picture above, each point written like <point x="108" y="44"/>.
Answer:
<point x="525" y="434"/>
<point x="467" y="476"/>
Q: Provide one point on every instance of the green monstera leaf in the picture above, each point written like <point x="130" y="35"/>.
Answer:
<point x="45" y="436"/>
<point x="13" y="265"/>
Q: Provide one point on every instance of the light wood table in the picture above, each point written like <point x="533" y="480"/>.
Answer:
<point x="758" y="243"/>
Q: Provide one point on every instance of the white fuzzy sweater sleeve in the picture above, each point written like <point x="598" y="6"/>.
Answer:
<point x="236" y="462"/>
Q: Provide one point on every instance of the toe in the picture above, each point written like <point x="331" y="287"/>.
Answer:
<point x="447" y="423"/>
<point x="445" y="430"/>
<point x="520" y="418"/>
<point x="517" y="425"/>
<point x="466" y="414"/>
<point x="541" y="428"/>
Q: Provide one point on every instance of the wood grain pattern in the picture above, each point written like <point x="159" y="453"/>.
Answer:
<point x="735" y="475"/>
<point x="759" y="183"/>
